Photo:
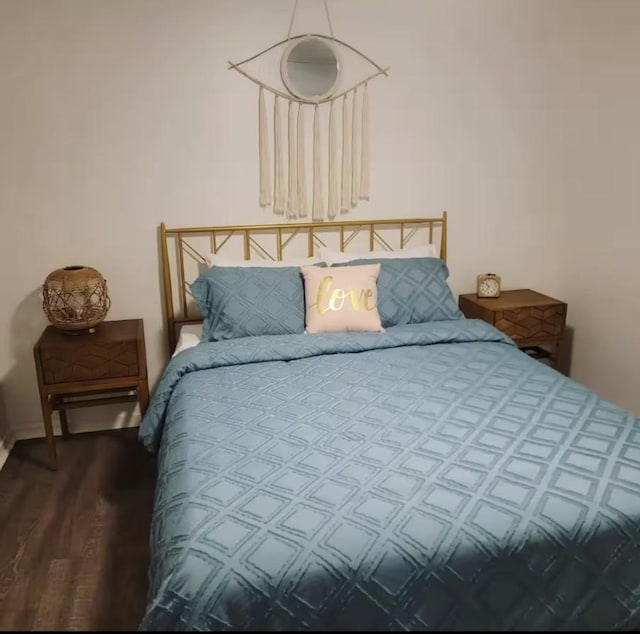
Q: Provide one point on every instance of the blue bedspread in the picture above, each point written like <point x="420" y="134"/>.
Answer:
<point x="432" y="477"/>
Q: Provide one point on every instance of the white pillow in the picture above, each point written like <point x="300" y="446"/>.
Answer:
<point x="189" y="337"/>
<point x="217" y="260"/>
<point x="332" y="257"/>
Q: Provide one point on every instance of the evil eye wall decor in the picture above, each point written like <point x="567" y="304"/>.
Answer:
<point x="324" y="74"/>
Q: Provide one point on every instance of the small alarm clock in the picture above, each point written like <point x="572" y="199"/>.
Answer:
<point x="488" y="285"/>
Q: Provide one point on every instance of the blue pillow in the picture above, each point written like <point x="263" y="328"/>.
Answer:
<point x="249" y="301"/>
<point x="412" y="291"/>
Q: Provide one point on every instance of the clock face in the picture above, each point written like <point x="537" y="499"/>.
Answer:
<point x="489" y="287"/>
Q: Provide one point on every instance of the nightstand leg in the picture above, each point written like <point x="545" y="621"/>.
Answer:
<point x="64" y="425"/>
<point x="143" y="396"/>
<point x="48" y="428"/>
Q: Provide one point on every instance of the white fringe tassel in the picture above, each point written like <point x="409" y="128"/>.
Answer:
<point x="318" y="198"/>
<point x="355" y="152"/>
<point x="279" y="193"/>
<point x="345" y="198"/>
<point x="365" y="178"/>
<point x="292" y="200"/>
<point x="303" y="201"/>
<point x="349" y="178"/>
<point x="333" y="207"/>
<point x="263" y="141"/>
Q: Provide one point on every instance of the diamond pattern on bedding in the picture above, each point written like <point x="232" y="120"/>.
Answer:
<point x="481" y="490"/>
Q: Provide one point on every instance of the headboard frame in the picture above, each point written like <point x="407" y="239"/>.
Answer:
<point x="179" y="250"/>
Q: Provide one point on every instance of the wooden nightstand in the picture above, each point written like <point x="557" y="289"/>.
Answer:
<point x="534" y="321"/>
<point x="103" y="367"/>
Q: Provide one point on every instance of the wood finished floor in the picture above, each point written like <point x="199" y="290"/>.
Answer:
<point x="74" y="543"/>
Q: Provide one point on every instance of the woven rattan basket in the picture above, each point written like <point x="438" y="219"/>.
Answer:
<point x="75" y="299"/>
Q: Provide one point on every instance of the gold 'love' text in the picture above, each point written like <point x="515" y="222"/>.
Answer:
<point x="334" y="299"/>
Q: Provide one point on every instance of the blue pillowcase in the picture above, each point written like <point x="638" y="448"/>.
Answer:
<point x="249" y="301"/>
<point x="412" y="290"/>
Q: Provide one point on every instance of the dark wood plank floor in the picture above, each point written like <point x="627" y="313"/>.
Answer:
<point x="74" y="544"/>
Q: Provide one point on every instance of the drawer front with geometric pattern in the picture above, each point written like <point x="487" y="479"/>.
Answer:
<point x="535" y="322"/>
<point x="89" y="362"/>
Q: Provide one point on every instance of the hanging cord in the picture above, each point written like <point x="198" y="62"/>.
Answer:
<point x="345" y="185"/>
<point x="356" y="149"/>
<point x="365" y="184"/>
<point x="279" y="186"/>
<point x="303" y="202"/>
<point x="317" y="209"/>
<point x="263" y="149"/>
<point x="333" y="205"/>
<point x="326" y="10"/>
<point x="293" y="15"/>
<point x="292" y="199"/>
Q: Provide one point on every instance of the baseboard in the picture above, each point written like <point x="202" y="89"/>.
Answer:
<point x="6" y="445"/>
<point x="36" y="430"/>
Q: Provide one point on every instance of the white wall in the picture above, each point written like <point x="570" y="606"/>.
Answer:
<point x="597" y="123"/>
<point x="116" y="115"/>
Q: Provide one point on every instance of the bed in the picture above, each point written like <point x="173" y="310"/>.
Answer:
<point x="428" y="477"/>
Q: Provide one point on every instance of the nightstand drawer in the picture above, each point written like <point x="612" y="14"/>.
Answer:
<point x="89" y="361"/>
<point x="100" y="368"/>
<point x="534" y="321"/>
<point x="531" y="322"/>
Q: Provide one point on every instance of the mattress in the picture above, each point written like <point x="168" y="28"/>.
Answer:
<point x="432" y="477"/>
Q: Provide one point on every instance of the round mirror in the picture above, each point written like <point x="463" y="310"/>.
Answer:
<point x="310" y="68"/>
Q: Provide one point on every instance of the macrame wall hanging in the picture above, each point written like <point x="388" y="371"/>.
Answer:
<point x="313" y="123"/>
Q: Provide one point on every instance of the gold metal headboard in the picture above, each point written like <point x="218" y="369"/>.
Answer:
<point x="183" y="247"/>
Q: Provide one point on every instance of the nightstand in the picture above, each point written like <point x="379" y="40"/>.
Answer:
<point x="107" y="366"/>
<point x="534" y="321"/>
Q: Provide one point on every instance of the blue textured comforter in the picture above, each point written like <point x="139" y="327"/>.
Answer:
<point x="432" y="477"/>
